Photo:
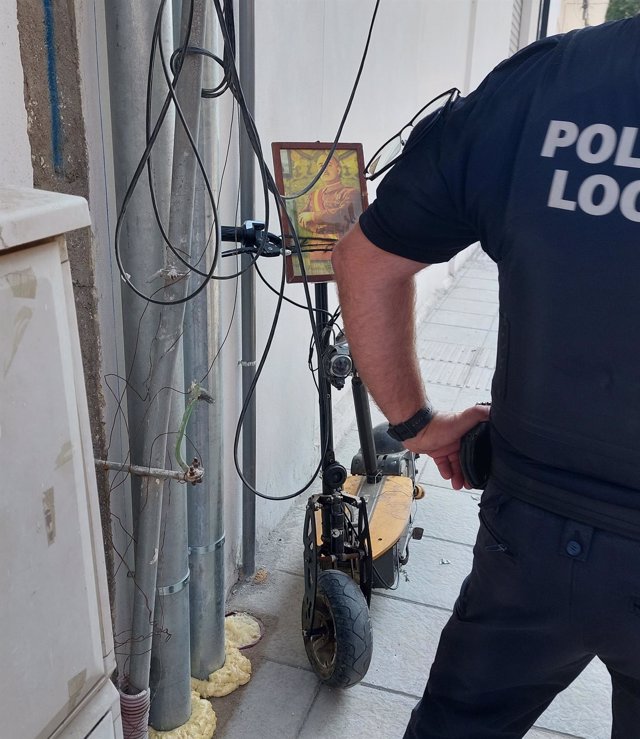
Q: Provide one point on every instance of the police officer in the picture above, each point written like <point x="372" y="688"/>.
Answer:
<point x="541" y="164"/>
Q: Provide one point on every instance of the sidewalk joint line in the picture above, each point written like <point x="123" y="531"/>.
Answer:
<point x="390" y="690"/>
<point x="447" y="541"/>
<point x="410" y="601"/>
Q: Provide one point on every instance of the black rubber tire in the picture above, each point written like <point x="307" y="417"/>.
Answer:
<point x="340" y="656"/>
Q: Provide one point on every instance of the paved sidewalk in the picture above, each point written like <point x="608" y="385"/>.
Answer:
<point x="284" y="700"/>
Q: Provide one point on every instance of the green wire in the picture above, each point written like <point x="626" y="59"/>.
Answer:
<point x="196" y="393"/>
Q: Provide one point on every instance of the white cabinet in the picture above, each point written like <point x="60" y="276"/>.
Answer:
<point x="56" y="646"/>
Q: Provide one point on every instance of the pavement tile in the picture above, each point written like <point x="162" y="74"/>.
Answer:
<point x="448" y="514"/>
<point x="469" y="306"/>
<point x="277" y="602"/>
<point x="470" y="396"/>
<point x="478" y="283"/>
<point x="457" y="318"/>
<point x="443" y="372"/>
<point x="274" y="703"/>
<point x="405" y="637"/>
<point x="488" y="272"/>
<point x="584" y="708"/>
<point x="473" y="293"/>
<point x="428" y="475"/>
<point x="442" y="397"/>
<point x="434" y="573"/>
<point x="451" y="335"/>
<point x="491" y="340"/>
<point x="480" y="379"/>
<point x="483" y="262"/>
<point x="360" y="711"/>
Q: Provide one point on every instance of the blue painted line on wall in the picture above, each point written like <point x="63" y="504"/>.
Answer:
<point x="52" y="78"/>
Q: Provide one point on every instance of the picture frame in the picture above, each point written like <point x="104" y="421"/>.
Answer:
<point x="323" y="215"/>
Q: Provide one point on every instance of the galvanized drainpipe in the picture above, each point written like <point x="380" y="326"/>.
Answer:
<point x="246" y="37"/>
<point x="170" y="668"/>
<point x="129" y="31"/>
<point x="166" y="350"/>
<point x="205" y="501"/>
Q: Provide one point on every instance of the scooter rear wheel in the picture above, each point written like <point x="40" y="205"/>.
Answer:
<point x="341" y="646"/>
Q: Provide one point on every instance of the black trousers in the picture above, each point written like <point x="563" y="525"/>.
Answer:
<point x="545" y="595"/>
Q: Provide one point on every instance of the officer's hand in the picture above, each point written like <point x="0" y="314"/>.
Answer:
<point x="441" y="441"/>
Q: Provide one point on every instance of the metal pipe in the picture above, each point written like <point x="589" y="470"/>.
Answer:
<point x="365" y="427"/>
<point x="543" y="20"/>
<point x="192" y="475"/>
<point x="170" y="667"/>
<point x="129" y="33"/>
<point x="165" y="353"/>
<point x="246" y="34"/>
<point x="170" y="671"/>
<point x="206" y="503"/>
<point x="326" y="409"/>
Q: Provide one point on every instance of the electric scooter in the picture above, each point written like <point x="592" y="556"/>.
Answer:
<point x="358" y="528"/>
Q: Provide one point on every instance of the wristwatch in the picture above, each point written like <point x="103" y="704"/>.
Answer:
<point x="412" y="426"/>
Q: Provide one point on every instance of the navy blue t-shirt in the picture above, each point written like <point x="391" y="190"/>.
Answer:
<point x="541" y="164"/>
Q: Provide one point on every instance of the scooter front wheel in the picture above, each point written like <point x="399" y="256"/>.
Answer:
<point x="340" y="645"/>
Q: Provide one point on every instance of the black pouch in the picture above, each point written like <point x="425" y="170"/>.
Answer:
<point x="475" y="455"/>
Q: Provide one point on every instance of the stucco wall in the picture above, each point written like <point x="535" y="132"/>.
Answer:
<point x="307" y="57"/>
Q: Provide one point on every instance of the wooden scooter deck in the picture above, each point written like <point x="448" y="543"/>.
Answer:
<point x="388" y="506"/>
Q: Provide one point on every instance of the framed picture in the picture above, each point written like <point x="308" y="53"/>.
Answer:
<point x="323" y="215"/>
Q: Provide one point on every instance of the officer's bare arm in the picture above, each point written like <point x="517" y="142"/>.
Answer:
<point x="377" y="297"/>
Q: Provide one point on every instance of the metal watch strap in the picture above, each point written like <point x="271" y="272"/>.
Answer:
<point x="412" y="426"/>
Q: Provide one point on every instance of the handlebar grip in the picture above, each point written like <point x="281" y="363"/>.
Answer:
<point x="230" y="233"/>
